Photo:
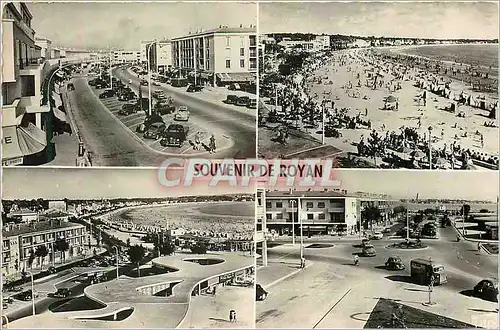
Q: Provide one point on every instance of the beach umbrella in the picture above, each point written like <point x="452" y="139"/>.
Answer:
<point x="418" y="153"/>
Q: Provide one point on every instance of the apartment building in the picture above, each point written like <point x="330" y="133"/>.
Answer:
<point x="24" y="120"/>
<point x="144" y="50"/>
<point x="126" y="57"/>
<point x="217" y="57"/>
<point x="320" y="212"/>
<point x="19" y="240"/>
<point x="46" y="47"/>
<point x="261" y="227"/>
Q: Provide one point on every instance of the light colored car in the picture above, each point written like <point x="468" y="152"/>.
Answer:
<point x="182" y="114"/>
<point x="377" y="235"/>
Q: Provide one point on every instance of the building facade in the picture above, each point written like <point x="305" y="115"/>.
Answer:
<point x="126" y="57"/>
<point x="24" y="120"/>
<point x="21" y="240"/>
<point x="261" y="227"/>
<point x="218" y="57"/>
<point x="46" y="47"/>
<point x="320" y="212"/>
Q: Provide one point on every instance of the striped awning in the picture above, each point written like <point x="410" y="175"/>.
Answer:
<point x="20" y="141"/>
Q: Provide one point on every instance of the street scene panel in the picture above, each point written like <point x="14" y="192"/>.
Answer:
<point x="141" y="83"/>
<point x="125" y="260"/>
<point x="380" y="85"/>
<point x="374" y="254"/>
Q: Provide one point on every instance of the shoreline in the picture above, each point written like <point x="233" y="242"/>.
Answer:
<point x="401" y="50"/>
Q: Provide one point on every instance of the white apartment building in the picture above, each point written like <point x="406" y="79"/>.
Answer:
<point x="126" y="57"/>
<point x="323" y="212"/>
<point x="324" y="41"/>
<point x="46" y="47"/>
<point x="219" y="56"/>
<point x="261" y="227"/>
<point x="19" y="240"/>
<point x="163" y="55"/>
<point x="24" y="120"/>
<point x="303" y="45"/>
<point x="143" y="50"/>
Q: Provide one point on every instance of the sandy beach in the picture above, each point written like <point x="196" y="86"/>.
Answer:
<point x="361" y="99"/>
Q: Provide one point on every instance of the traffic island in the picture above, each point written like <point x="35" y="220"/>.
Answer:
<point x="408" y="245"/>
<point x="391" y="314"/>
<point x="319" y="246"/>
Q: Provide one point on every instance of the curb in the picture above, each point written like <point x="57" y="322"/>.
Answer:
<point x="308" y="264"/>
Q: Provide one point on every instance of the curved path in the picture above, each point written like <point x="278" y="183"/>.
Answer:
<point x="149" y="311"/>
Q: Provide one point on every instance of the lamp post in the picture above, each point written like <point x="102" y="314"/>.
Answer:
<point x="148" y="49"/>
<point x="32" y="290"/>
<point x="110" y="70"/>
<point x="301" y="241"/>
<point x="407" y="222"/>
<point x="323" y="125"/>
<point x="117" y="269"/>
<point x="294" y="203"/>
<point x="430" y="147"/>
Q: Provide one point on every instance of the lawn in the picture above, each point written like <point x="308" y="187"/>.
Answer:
<point x="381" y="316"/>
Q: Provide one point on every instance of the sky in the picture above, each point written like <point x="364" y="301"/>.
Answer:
<point x="20" y="183"/>
<point x="439" y="20"/>
<point x="124" y="25"/>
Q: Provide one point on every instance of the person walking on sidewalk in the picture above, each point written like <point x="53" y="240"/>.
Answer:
<point x="212" y="146"/>
<point x="197" y="141"/>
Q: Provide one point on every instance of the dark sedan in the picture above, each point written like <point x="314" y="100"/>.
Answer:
<point x="107" y="93"/>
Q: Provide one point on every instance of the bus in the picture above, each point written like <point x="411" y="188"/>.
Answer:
<point x="423" y="270"/>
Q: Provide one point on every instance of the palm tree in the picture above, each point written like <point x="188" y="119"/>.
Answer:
<point x="41" y="252"/>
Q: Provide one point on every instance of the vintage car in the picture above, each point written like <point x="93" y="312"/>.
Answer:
<point x="154" y="131"/>
<point x="182" y="113"/>
<point x="394" y="263"/>
<point x="174" y="136"/>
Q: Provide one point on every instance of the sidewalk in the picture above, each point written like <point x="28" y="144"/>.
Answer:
<point x="207" y="311"/>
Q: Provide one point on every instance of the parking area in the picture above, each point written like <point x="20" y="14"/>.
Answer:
<point x="193" y="126"/>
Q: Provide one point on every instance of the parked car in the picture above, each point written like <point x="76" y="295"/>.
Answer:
<point x="174" y="136"/>
<point x="260" y="293"/>
<point x="231" y="99"/>
<point x="144" y="82"/>
<point x="182" y="113"/>
<point x="377" y="235"/>
<point x="27" y="295"/>
<point x="8" y="300"/>
<point x="71" y="87"/>
<point x="252" y="104"/>
<point x="51" y="270"/>
<point x="234" y="87"/>
<point x="394" y="263"/>
<point x="158" y="94"/>
<point x="61" y="293"/>
<point x="243" y="101"/>
<point x="154" y="131"/>
<point x="128" y="109"/>
<point x="194" y="88"/>
<point x="369" y="251"/>
<point x="107" y="93"/>
<point x="155" y="83"/>
<point x="4" y="305"/>
<point x="164" y="107"/>
<point x="15" y="289"/>
<point x="386" y="230"/>
<point x="365" y="242"/>
<point x="487" y="290"/>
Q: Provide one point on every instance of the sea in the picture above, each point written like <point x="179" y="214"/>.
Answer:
<point x="485" y="55"/>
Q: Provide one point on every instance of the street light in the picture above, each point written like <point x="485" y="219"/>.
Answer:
<point x="301" y="242"/>
<point x="110" y="71"/>
<point x="430" y="148"/>
<point x="117" y="270"/>
<point x="293" y="202"/>
<point x="407" y="222"/>
<point x="148" y="49"/>
<point x="32" y="290"/>
<point x="323" y="125"/>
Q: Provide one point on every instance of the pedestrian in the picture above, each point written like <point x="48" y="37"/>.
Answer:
<point x="214" y="290"/>
<point x="212" y="146"/>
<point x="197" y="141"/>
<point x="231" y="315"/>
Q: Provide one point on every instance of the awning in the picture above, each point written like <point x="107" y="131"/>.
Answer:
<point x="205" y="75"/>
<point x="236" y="77"/>
<point x="20" y="141"/>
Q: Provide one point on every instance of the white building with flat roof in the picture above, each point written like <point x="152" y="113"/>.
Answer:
<point x="126" y="57"/>
<point x="219" y="56"/>
<point x="46" y="47"/>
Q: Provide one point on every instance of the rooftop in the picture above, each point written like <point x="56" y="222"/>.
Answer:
<point x="307" y="194"/>
<point x="220" y="30"/>
<point x="41" y="226"/>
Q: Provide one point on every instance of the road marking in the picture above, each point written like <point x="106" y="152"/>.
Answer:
<point x="335" y="305"/>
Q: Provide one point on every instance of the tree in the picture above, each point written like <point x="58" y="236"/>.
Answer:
<point x="136" y="254"/>
<point x="41" y="252"/>
<point x="128" y="242"/>
<point x="465" y="211"/>
<point x="199" y="248"/>
<point x="31" y="258"/>
<point x="167" y="247"/>
<point x="370" y="214"/>
<point x="62" y="246"/>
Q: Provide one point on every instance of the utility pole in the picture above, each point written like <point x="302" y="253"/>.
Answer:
<point x="407" y="221"/>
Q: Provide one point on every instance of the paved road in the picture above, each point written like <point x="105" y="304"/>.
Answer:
<point x="333" y="273"/>
<point x="112" y="145"/>
<point x="239" y="126"/>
